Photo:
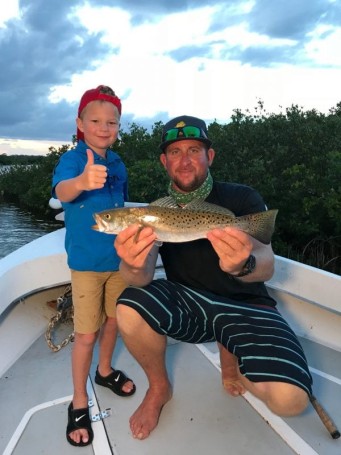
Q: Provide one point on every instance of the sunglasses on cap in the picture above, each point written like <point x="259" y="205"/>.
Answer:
<point x="185" y="131"/>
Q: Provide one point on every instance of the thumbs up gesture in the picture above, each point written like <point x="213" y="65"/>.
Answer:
<point x="94" y="175"/>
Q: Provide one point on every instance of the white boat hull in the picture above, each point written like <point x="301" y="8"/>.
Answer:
<point x="201" y="417"/>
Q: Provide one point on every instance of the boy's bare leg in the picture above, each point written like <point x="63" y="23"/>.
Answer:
<point x="148" y="348"/>
<point x="81" y="361"/>
<point x="107" y="343"/>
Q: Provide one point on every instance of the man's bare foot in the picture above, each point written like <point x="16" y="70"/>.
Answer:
<point x="230" y="373"/>
<point x="146" y="416"/>
<point x="234" y="388"/>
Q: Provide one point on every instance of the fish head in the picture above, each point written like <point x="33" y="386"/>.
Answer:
<point x="104" y="223"/>
<point x="113" y="221"/>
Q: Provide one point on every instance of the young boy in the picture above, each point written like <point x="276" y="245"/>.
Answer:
<point x="88" y="179"/>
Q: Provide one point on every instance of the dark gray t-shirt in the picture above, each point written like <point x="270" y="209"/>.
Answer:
<point x="196" y="264"/>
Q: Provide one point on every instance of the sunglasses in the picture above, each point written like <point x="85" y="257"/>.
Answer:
<point x="185" y="131"/>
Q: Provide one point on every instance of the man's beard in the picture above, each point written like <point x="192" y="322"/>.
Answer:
<point x="192" y="186"/>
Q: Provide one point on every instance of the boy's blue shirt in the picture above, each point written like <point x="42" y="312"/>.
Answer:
<point x="89" y="250"/>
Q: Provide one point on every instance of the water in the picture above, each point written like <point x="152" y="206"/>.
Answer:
<point x="18" y="227"/>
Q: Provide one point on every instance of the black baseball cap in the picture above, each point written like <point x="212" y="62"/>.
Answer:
<point x="182" y="128"/>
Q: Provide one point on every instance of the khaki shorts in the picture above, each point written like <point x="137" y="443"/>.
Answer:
<point x="94" y="296"/>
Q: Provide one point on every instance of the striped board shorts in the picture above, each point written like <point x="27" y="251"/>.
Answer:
<point x="264" y="344"/>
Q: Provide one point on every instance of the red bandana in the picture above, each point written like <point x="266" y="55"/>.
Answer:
<point x="93" y="95"/>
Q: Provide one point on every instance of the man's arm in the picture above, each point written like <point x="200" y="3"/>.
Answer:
<point x="138" y="254"/>
<point x="265" y="263"/>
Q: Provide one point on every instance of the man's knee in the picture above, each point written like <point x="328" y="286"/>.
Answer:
<point x="127" y="319"/>
<point x="286" y="399"/>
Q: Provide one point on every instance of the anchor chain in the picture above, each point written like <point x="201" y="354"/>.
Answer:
<point x="64" y="314"/>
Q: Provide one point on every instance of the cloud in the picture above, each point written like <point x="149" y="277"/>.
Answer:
<point x="27" y="147"/>
<point x="164" y="59"/>
<point x="287" y="18"/>
<point x="41" y="48"/>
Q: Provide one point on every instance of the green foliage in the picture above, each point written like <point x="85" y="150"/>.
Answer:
<point x="140" y="152"/>
<point x="29" y="185"/>
<point x="147" y="181"/>
<point x="7" y="160"/>
<point x="293" y="159"/>
<point x="138" y="144"/>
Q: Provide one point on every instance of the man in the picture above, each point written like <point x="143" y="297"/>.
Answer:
<point x="214" y="291"/>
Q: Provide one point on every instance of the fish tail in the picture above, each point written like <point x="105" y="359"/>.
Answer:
<point x="260" y="225"/>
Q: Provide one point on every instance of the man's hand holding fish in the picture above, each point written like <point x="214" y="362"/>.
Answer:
<point x="138" y="254"/>
<point x="234" y="248"/>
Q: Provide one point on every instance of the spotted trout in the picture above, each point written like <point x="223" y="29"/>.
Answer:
<point x="172" y="223"/>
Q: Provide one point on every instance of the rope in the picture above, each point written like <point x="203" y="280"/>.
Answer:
<point x="64" y="314"/>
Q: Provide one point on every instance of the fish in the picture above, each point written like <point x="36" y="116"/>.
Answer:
<point x="175" y="224"/>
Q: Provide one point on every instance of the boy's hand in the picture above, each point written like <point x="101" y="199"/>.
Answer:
<point x="94" y="175"/>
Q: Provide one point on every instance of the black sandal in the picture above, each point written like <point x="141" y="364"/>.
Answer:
<point x="115" y="381"/>
<point x="79" y="419"/>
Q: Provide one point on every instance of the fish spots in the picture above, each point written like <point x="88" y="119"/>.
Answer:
<point x="175" y="224"/>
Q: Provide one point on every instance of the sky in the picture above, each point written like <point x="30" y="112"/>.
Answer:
<point x="163" y="59"/>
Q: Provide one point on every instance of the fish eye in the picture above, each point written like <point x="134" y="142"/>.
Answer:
<point x="107" y="216"/>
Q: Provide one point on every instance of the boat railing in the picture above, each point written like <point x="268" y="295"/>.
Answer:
<point x="304" y="292"/>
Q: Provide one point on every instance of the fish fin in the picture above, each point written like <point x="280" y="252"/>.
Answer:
<point x="261" y="225"/>
<point x="166" y="201"/>
<point x="203" y="206"/>
<point x="196" y="204"/>
<point x="136" y="236"/>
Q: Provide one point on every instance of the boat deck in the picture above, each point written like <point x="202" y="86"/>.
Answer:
<point x="201" y="418"/>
